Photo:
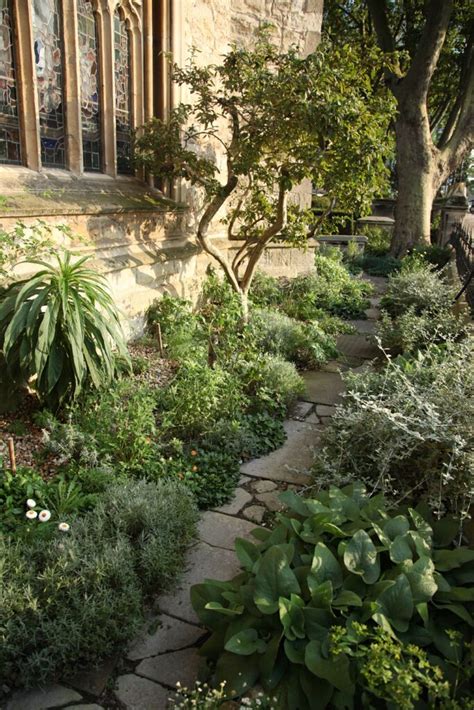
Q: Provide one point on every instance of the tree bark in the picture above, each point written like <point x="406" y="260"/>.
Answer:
<point x="417" y="179"/>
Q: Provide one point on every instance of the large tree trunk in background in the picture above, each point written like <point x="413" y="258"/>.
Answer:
<point x="417" y="173"/>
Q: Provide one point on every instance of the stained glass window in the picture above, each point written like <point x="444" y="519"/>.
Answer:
<point x="90" y="112"/>
<point x="122" y="94"/>
<point x="49" y="75"/>
<point x="9" y="124"/>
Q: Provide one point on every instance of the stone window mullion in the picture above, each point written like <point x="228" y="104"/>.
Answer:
<point x="107" y="88"/>
<point x="26" y="83"/>
<point x="72" y="88"/>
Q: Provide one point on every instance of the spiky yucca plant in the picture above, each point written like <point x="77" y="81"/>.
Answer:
<point x="60" y="329"/>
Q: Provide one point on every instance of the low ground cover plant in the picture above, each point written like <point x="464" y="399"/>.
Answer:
<point x="408" y="429"/>
<point x="69" y="598"/>
<point x="339" y="591"/>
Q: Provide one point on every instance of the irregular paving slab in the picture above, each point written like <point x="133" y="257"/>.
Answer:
<point x="94" y="706"/>
<point x="255" y="513"/>
<point x="171" y="668"/>
<point x="203" y="561"/>
<point x="357" y="347"/>
<point x="53" y="696"/>
<point x="297" y="452"/>
<point x="325" y="410"/>
<point x="373" y="313"/>
<point x="94" y="680"/>
<point x="263" y="486"/>
<point x="378" y="282"/>
<point x="324" y="387"/>
<point x="141" y="694"/>
<point x="241" y="498"/>
<point x="220" y="530"/>
<point x="171" y="635"/>
<point x="271" y="501"/>
<point x="366" y="327"/>
<point x="301" y="410"/>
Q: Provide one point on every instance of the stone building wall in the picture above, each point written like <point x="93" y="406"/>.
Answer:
<point x="142" y="241"/>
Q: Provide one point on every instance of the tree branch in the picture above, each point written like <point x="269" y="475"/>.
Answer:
<point x="417" y="80"/>
<point x="465" y="85"/>
<point x="266" y="237"/>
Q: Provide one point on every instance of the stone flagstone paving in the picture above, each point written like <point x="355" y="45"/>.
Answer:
<point x="166" y="650"/>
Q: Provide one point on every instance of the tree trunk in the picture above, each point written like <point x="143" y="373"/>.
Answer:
<point x="417" y="178"/>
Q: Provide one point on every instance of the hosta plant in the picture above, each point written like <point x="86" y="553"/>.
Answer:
<point x="59" y="329"/>
<point x="331" y="562"/>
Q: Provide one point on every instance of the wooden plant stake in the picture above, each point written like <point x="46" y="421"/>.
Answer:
<point x="11" y="451"/>
<point x="160" y="339"/>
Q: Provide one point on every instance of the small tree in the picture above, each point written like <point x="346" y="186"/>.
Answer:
<point x="278" y="119"/>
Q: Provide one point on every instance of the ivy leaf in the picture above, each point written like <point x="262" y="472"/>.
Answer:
<point x="360" y="557"/>
<point x="274" y="579"/>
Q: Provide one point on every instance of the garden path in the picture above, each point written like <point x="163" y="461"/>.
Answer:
<point x="166" y="651"/>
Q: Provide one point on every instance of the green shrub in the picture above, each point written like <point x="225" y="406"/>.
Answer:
<point x="378" y="240"/>
<point x="266" y="291"/>
<point x="408" y="429"/>
<point x="305" y="344"/>
<point x="332" y="562"/>
<point x="434" y="254"/>
<point x="15" y="489"/>
<point x="378" y="265"/>
<point x="248" y="437"/>
<point x="421" y="288"/>
<point x="272" y="383"/>
<point x="410" y="331"/>
<point x="118" y="425"/>
<point x="197" y="398"/>
<point x="77" y="598"/>
<point x="330" y="287"/>
<point x="182" y="330"/>
<point x="61" y="328"/>
<point x="212" y="477"/>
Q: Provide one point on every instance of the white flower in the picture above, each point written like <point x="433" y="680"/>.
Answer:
<point x="31" y="503"/>
<point x="31" y="514"/>
<point x="64" y="527"/>
<point x="44" y="516"/>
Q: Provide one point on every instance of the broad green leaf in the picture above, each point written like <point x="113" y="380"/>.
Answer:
<point x="291" y="617"/>
<point x="396" y="526"/>
<point x="446" y="560"/>
<point x="240" y="673"/>
<point x="322" y="595"/>
<point x="459" y="611"/>
<point x="421" y="525"/>
<point x="396" y="603"/>
<point x="335" y="669"/>
<point x="422" y="580"/>
<point x="347" y="598"/>
<point x="245" y="643"/>
<point x="445" y="530"/>
<point x="227" y="611"/>
<point x="400" y="549"/>
<point x="274" y="579"/>
<point x="324" y="567"/>
<point x="360" y="557"/>
<point x="246" y="552"/>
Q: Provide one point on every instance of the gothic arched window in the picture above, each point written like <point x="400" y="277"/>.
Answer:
<point x="48" y="50"/>
<point x="9" y="122"/>
<point x="123" y="118"/>
<point x="90" y="86"/>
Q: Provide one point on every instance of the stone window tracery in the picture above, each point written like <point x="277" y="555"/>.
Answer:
<point x="10" y="151"/>
<point x="122" y="93"/>
<point x="48" y="53"/>
<point x="72" y="84"/>
<point x="90" y="86"/>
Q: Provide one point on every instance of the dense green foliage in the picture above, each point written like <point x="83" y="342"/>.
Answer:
<point x="408" y="429"/>
<point x="330" y="290"/>
<point x="70" y="599"/>
<point x="336" y="587"/>
<point x="417" y="308"/>
<point x="278" y="118"/>
<point x="60" y="330"/>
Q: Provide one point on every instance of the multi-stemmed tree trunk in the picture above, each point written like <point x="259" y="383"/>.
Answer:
<point x="423" y="163"/>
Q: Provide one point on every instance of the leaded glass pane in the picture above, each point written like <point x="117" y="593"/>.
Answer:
<point x="9" y="123"/>
<point x="122" y="94"/>
<point x="90" y="112"/>
<point x="48" y="49"/>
